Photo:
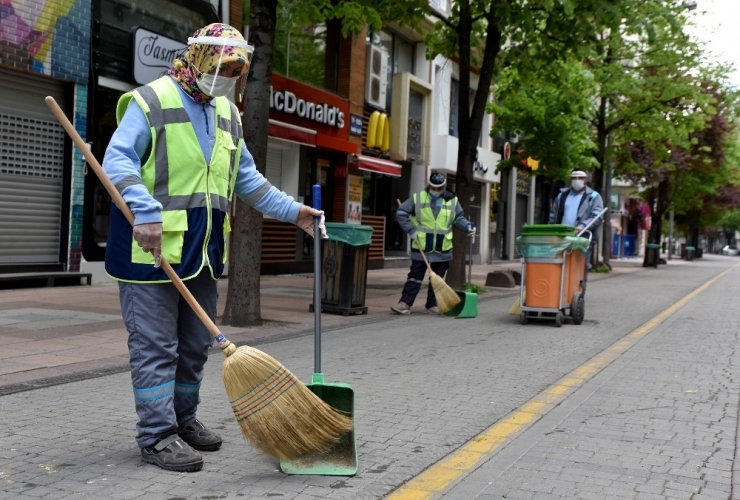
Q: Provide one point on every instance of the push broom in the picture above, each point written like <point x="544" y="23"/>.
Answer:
<point x="447" y="298"/>
<point x="277" y="413"/>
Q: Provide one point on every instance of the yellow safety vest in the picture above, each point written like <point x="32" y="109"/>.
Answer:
<point x="192" y="190"/>
<point x="435" y="235"/>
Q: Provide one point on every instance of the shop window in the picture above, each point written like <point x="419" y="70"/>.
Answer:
<point x="299" y="51"/>
<point x="455" y="106"/>
<point x="115" y="19"/>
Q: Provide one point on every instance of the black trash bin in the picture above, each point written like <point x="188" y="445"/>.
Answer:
<point x="344" y="270"/>
<point x="689" y="255"/>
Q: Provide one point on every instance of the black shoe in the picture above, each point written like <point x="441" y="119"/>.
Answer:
<point x="172" y="453"/>
<point x="196" y="435"/>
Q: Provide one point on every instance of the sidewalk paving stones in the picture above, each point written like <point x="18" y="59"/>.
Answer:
<point x="658" y="422"/>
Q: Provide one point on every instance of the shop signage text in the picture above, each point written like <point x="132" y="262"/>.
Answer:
<point x="287" y="102"/>
<point x="415" y="120"/>
<point x="153" y="55"/>
<point x="355" y="124"/>
<point x="478" y="166"/>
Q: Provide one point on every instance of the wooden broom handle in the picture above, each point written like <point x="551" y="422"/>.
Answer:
<point x="118" y="200"/>
<point x="418" y="245"/>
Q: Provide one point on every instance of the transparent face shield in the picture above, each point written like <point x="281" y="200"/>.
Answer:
<point x="227" y="66"/>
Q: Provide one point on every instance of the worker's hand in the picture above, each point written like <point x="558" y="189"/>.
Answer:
<point x="305" y="220"/>
<point x="149" y="238"/>
<point x="471" y="230"/>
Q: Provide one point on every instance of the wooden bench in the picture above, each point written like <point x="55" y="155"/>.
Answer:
<point x="50" y="278"/>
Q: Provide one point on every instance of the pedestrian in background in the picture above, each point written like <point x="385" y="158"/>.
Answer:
<point x="579" y="206"/>
<point x="177" y="157"/>
<point x="428" y="217"/>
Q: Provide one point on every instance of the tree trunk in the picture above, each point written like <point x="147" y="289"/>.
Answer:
<point x="243" y="295"/>
<point x="470" y="120"/>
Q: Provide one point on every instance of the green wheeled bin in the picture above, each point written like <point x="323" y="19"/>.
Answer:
<point x="344" y="269"/>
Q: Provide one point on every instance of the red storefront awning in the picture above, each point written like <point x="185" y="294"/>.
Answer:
<point x="372" y="164"/>
<point x="291" y="133"/>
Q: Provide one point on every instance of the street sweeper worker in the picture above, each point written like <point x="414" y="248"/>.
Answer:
<point x="429" y="217"/>
<point x="579" y="206"/>
<point x="177" y="158"/>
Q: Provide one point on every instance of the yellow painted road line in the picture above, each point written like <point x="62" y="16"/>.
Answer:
<point x="443" y="474"/>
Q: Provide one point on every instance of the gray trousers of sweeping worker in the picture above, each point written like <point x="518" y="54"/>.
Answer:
<point x="168" y="347"/>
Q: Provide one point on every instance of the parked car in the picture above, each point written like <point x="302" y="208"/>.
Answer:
<point x="730" y="250"/>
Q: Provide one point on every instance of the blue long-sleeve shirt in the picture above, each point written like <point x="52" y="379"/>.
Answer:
<point x="131" y="143"/>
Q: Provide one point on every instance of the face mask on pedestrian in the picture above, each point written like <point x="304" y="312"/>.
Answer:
<point x="217" y="86"/>
<point x="577" y="184"/>
<point x="436" y="192"/>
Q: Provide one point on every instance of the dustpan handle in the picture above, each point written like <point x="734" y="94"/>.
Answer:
<point x="470" y="263"/>
<point x="317" y="257"/>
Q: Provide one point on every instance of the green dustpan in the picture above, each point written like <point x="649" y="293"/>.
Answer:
<point x="341" y="459"/>
<point x="468" y="305"/>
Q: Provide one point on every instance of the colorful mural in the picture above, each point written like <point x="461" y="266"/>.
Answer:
<point x="51" y="37"/>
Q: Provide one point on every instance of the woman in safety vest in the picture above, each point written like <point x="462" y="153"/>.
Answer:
<point x="177" y="158"/>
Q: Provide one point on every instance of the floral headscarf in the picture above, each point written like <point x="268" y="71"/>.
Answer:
<point x="205" y="58"/>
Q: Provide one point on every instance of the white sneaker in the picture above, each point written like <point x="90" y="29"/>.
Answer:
<point x="401" y="308"/>
<point x="433" y="310"/>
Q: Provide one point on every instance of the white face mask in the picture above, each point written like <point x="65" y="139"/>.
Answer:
<point x="577" y="185"/>
<point x="216" y="86"/>
<point x="436" y="193"/>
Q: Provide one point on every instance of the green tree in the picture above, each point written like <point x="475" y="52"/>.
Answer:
<point x="550" y="110"/>
<point x="472" y="34"/>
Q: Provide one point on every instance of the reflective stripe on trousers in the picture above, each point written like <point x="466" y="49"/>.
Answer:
<point x="168" y="347"/>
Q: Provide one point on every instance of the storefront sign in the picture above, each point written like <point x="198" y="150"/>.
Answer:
<point x="299" y="104"/>
<point x="413" y="141"/>
<point x="354" y="199"/>
<point x="522" y="182"/>
<point x="478" y="166"/>
<point x="304" y="102"/>
<point x="355" y="125"/>
<point x="153" y="55"/>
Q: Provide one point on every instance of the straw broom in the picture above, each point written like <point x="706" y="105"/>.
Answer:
<point x="447" y="298"/>
<point x="277" y="413"/>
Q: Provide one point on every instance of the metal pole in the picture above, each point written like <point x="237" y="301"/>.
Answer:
<point x="670" y="235"/>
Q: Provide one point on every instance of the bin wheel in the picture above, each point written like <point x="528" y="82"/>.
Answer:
<point x="578" y="308"/>
<point x="523" y="317"/>
<point x="559" y="319"/>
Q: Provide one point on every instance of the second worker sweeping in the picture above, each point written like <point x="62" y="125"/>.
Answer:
<point x="429" y="217"/>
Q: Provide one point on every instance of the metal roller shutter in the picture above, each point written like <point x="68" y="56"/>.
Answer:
<point x="521" y="215"/>
<point x="274" y="167"/>
<point x="31" y="168"/>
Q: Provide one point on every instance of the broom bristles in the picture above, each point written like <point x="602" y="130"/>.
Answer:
<point x="447" y="298"/>
<point x="516" y="309"/>
<point x="277" y="413"/>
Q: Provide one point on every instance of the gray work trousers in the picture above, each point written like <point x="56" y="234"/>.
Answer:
<point x="168" y="348"/>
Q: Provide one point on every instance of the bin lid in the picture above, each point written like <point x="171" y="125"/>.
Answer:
<point x="352" y="234"/>
<point x="548" y="230"/>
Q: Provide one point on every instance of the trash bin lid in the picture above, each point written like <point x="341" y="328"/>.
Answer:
<point x="548" y="230"/>
<point x="352" y="234"/>
<point x="549" y="246"/>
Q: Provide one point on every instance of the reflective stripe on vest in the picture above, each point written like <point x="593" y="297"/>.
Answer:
<point x="439" y="230"/>
<point x="174" y="141"/>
